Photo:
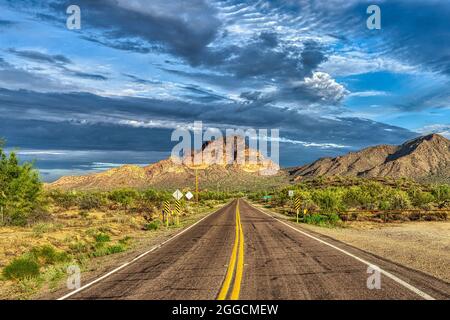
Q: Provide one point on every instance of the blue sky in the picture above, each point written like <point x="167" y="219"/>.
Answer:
<point x="112" y="92"/>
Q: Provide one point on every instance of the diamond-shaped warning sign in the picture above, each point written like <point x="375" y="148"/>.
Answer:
<point x="177" y="194"/>
<point x="189" y="195"/>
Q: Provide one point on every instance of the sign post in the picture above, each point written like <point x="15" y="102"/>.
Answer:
<point x="297" y="205"/>
<point x="177" y="212"/>
<point x="166" y="212"/>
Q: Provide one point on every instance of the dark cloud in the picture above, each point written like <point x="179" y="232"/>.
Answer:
<point x="57" y="59"/>
<point x="186" y="35"/>
<point x="200" y="94"/>
<point x="78" y="116"/>
<point x="85" y="75"/>
<point x="139" y="80"/>
<point x="6" y="23"/>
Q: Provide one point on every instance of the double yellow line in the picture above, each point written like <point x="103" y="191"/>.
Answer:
<point x="236" y="263"/>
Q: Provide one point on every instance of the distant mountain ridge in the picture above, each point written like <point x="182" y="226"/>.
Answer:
<point x="214" y="171"/>
<point x="426" y="158"/>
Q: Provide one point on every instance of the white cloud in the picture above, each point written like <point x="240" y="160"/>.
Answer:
<point x="442" y="129"/>
<point x="369" y="93"/>
<point x="326" y="87"/>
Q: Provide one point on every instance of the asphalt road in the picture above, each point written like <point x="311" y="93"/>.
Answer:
<point x="240" y="252"/>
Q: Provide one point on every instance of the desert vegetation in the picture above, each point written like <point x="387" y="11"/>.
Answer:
<point x="329" y="201"/>
<point x="43" y="232"/>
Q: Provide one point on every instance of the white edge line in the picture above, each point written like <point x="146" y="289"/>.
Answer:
<point x="138" y="257"/>
<point x="387" y="274"/>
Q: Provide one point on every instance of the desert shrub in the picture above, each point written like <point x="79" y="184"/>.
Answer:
<point x="125" y="240"/>
<point x="107" y="250"/>
<point x="21" y="268"/>
<point x="124" y="197"/>
<point x="101" y="238"/>
<point x="329" y="219"/>
<point x="441" y="192"/>
<point x="90" y="200"/>
<point x="116" y="248"/>
<point x="399" y="200"/>
<point x="314" y="218"/>
<point x="79" y="247"/>
<point x="355" y="197"/>
<point x="63" y="199"/>
<point x="47" y="255"/>
<point x="329" y="200"/>
<point x="420" y="198"/>
<point x="43" y="227"/>
<point x="21" y="193"/>
<point x="154" y="225"/>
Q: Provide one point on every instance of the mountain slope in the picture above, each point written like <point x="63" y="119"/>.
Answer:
<point x="214" y="172"/>
<point x="426" y="158"/>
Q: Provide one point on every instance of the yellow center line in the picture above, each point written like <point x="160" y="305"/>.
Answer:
<point x="240" y="262"/>
<point x="237" y="254"/>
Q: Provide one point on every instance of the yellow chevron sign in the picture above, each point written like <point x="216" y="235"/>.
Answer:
<point x="177" y="209"/>
<point x="166" y="207"/>
<point x="297" y="203"/>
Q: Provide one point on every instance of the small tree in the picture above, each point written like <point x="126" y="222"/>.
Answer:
<point x="20" y="189"/>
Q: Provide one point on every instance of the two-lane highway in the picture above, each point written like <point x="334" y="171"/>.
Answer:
<point x="240" y="252"/>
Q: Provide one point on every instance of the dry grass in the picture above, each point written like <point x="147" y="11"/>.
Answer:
<point x="70" y="229"/>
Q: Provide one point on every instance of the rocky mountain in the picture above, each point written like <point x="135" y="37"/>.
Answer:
<point x="218" y="164"/>
<point x="425" y="159"/>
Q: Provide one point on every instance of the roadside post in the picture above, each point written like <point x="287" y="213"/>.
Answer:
<point x="177" y="212"/>
<point x="297" y="205"/>
<point x="166" y="212"/>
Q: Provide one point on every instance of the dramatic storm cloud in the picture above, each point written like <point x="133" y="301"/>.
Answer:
<point x="138" y="69"/>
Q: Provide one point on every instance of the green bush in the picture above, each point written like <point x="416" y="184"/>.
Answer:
<point x="124" y="197"/>
<point x="107" y="250"/>
<point x="47" y="255"/>
<point x="21" y="268"/>
<point x="420" y="198"/>
<point x="89" y="201"/>
<point x="441" y="192"/>
<point x="63" y="199"/>
<point x="101" y="238"/>
<point x="399" y="200"/>
<point x="329" y="200"/>
<point x="21" y="193"/>
<point x="154" y="225"/>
